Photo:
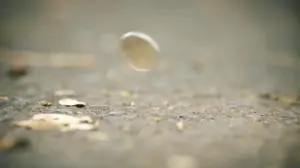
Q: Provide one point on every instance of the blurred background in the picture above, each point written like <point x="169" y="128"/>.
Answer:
<point x="237" y="43"/>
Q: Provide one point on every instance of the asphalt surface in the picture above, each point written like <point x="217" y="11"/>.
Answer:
<point x="211" y="72"/>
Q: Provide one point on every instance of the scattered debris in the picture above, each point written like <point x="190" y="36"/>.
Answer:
<point x="58" y="121"/>
<point x="45" y="103"/>
<point x="4" y="99"/>
<point x="181" y="161"/>
<point x="71" y="102"/>
<point x="66" y="93"/>
<point x="141" y="50"/>
<point x="180" y="125"/>
<point x="8" y="143"/>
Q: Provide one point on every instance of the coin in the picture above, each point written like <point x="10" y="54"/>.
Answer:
<point x="141" y="50"/>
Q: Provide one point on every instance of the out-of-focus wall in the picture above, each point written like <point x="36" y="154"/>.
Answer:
<point x="237" y="41"/>
<point x="78" y="25"/>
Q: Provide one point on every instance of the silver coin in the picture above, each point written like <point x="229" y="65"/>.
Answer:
<point x="141" y="50"/>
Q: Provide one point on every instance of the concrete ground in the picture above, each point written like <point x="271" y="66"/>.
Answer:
<point x="216" y="59"/>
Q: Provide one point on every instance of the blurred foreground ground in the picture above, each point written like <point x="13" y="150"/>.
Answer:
<point x="216" y="58"/>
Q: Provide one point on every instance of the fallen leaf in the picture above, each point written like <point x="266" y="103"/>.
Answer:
<point x="71" y="102"/>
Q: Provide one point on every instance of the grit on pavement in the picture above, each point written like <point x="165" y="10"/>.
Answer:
<point x="199" y="108"/>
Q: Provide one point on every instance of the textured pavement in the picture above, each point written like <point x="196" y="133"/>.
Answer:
<point x="214" y="65"/>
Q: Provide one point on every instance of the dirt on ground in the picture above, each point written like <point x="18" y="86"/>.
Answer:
<point x="224" y="95"/>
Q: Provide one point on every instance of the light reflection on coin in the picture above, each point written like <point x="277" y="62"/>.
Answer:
<point x="141" y="50"/>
